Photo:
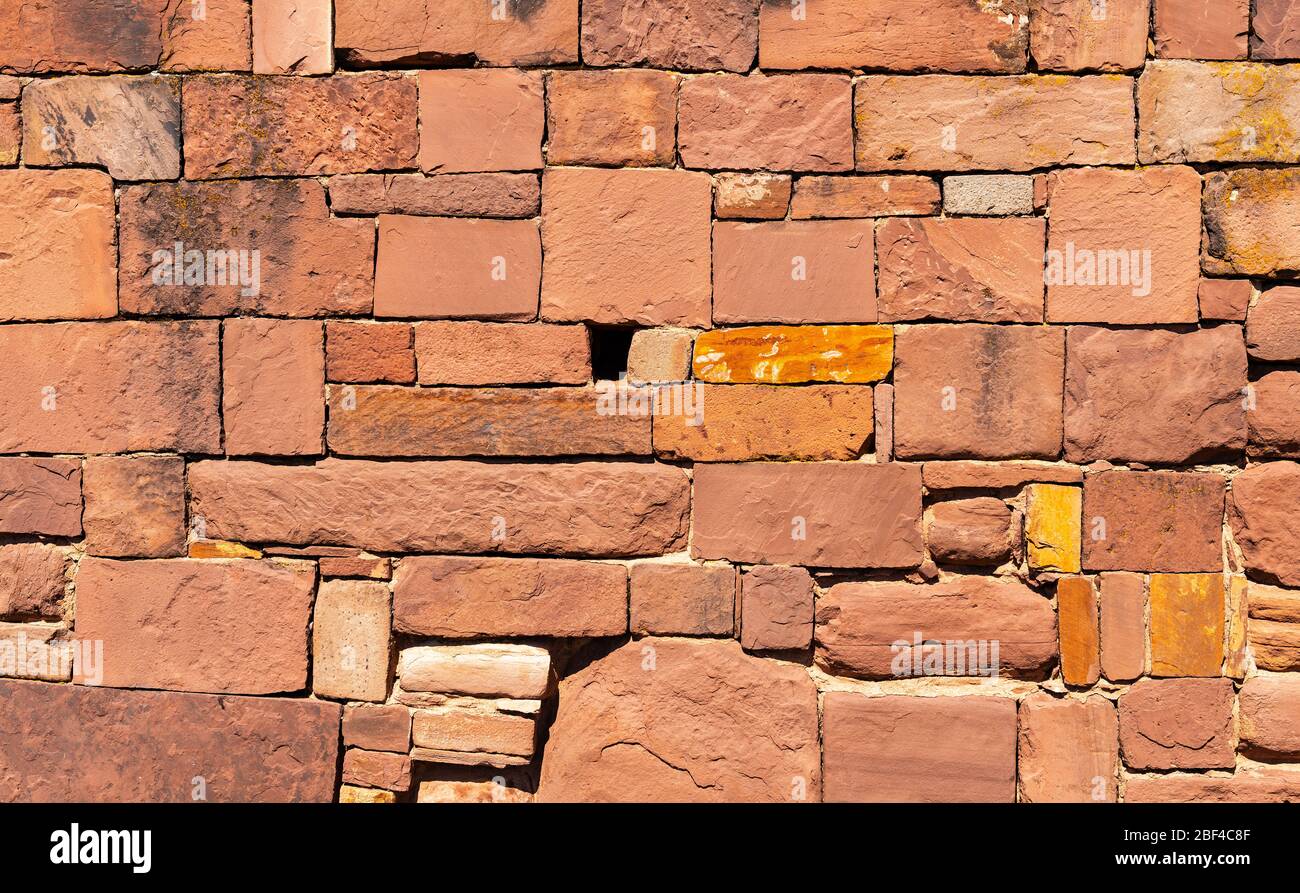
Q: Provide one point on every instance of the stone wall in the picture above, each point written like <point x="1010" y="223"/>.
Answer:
<point x="749" y="400"/>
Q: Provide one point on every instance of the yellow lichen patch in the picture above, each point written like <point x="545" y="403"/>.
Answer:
<point x="221" y="549"/>
<point x="794" y="354"/>
<point x="1052" y="527"/>
<point x="1186" y="624"/>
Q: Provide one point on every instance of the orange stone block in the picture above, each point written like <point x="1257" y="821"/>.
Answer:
<point x="1186" y="624"/>
<point x="1076" y="605"/>
<point x="795" y="354"/>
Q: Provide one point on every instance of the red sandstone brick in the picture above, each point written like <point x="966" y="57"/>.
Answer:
<point x="41" y="496"/>
<point x="793" y="272"/>
<point x="351" y="629"/>
<point x="476" y="353"/>
<point x="1069" y="750"/>
<point x="863" y="196"/>
<point x="1123" y="626"/>
<point x="376" y="769"/>
<point x="1080" y="35"/>
<point x="1224" y="298"/>
<point x="443" y="195"/>
<point x="442" y="267"/>
<point x="683" y="599"/>
<point x="293" y="37"/>
<point x="1159" y="521"/>
<point x="232" y="627"/>
<point x="797" y="122"/>
<point x="612" y="117"/>
<point x="298" y="126"/>
<point x="992" y="392"/>
<point x="485" y="119"/>
<point x="457" y="598"/>
<point x="274" y="372"/>
<point x="626" y="246"/>
<point x="898" y="749"/>
<point x="1177" y="724"/>
<point x="32" y="580"/>
<point x="944" y="35"/>
<point x="1276" y="27"/>
<point x="753" y="196"/>
<point x="683" y="34"/>
<point x="372" y="727"/>
<point x="363" y="352"/>
<point x="808" y="514"/>
<point x="776" y="608"/>
<point x="1201" y="29"/>
<point x="76" y="743"/>
<point x="983" y="530"/>
<point x="80" y="387"/>
<point x="135" y="506"/>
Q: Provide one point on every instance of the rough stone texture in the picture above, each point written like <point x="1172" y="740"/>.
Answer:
<point x="116" y="387"/>
<point x="776" y="608"/>
<point x="741" y="423"/>
<point x="898" y="749"/>
<point x="794" y="272"/>
<point x="1187" y="617"/>
<point x="695" y="35"/>
<point x="988" y="194"/>
<point x="794" y="354"/>
<point x="682" y="600"/>
<point x="1275" y="33"/>
<point x="1254" y="785"/>
<point x="473" y="734"/>
<point x="962" y="270"/>
<point x="129" y="125"/>
<point x="389" y="771"/>
<point x="1123" y="626"/>
<point x="306" y="264"/>
<point x="1078" y="35"/>
<point x="218" y="40"/>
<point x="991" y="392"/>
<point x="1201" y="29"/>
<point x="274" y="376"/>
<point x="485" y="671"/>
<point x="1008" y="124"/>
<point x="351" y="627"/>
<point x="353" y="794"/>
<point x="963" y="474"/>
<point x="32" y="581"/>
<point x="10" y="134"/>
<point x="231" y="627"/>
<point x="135" y="506"/>
<point x="868" y="630"/>
<point x="1053" y="530"/>
<point x="40" y="496"/>
<point x="1264" y="521"/>
<point x="444" y="267"/>
<point x="1068" y="750"/>
<point x="364" y="352"/>
<point x="598" y="509"/>
<point x="298" y="126"/>
<point x="1225" y="298"/>
<point x="1076" y="609"/>
<point x="482" y="119"/>
<point x="834" y="514"/>
<point x="57" y="228"/>
<point x="866" y="196"/>
<point x="457" y="598"/>
<point x="1217" y="111"/>
<point x="293" y="37"/>
<point x="983" y="530"/>
<point x="1123" y="246"/>
<point x="445" y="195"/>
<point x="1159" y="521"/>
<point x="530" y="33"/>
<point x="1154" y="395"/>
<point x="1274" y="420"/>
<point x="71" y="743"/>
<point x="756" y="196"/>
<point x="612" y="117"/>
<point x="797" y="122"/>
<point x="660" y="355"/>
<point x="946" y="35"/>
<point x="1273" y="325"/>
<point x="626" y="246"/>
<point x="391" y="421"/>
<point x="1251" y="226"/>
<point x="80" y="35"/>
<point x="708" y="723"/>
<point x="474" y="353"/>
<point x="1270" y="717"/>
<point x="1177" y="724"/>
<point x="371" y="727"/>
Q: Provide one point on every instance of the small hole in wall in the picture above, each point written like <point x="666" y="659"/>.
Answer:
<point x="610" y="346"/>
